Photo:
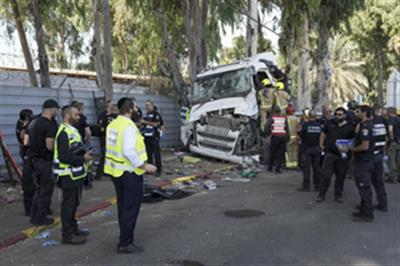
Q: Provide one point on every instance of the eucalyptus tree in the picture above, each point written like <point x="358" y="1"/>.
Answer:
<point x="331" y="14"/>
<point x="373" y="29"/>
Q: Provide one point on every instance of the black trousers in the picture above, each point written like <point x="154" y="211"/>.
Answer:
<point x="333" y="164"/>
<point x="310" y="160"/>
<point x="44" y="186"/>
<point x="153" y="151"/>
<point x="129" y="190"/>
<point x="277" y="152"/>
<point x="378" y="181"/>
<point x="69" y="205"/>
<point x="28" y="186"/>
<point x="363" y="178"/>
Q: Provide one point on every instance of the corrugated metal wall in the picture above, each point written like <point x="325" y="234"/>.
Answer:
<point x="15" y="98"/>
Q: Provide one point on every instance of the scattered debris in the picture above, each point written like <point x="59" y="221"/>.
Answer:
<point x="210" y="185"/>
<point x="42" y="235"/>
<point x="10" y="193"/>
<point x="50" y="243"/>
<point x="107" y="213"/>
<point x="238" y="179"/>
<point x="190" y="160"/>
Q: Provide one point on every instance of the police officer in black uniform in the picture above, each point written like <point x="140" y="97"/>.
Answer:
<point x="334" y="162"/>
<point x="363" y="161"/>
<point x="42" y="131"/>
<point x="67" y="153"/>
<point x="380" y="140"/>
<point x="25" y="117"/>
<point x="311" y="153"/>
<point x="151" y="122"/>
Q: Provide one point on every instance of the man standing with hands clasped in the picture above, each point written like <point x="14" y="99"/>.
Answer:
<point x="125" y="161"/>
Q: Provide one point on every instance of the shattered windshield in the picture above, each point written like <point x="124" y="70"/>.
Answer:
<point x="223" y="85"/>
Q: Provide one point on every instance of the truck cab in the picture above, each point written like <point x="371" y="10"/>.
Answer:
<point x="224" y="117"/>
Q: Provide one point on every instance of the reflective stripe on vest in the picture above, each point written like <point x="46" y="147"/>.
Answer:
<point x="61" y="169"/>
<point x="116" y="163"/>
<point x="278" y="125"/>
<point x="379" y="132"/>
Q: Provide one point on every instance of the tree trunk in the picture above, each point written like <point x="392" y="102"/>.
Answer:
<point x="303" y="74"/>
<point x="174" y="72"/>
<point x="108" y="83"/>
<point x="204" y="51"/>
<point x="42" y="54"/>
<point x="251" y="32"/>
<point x="188" y="10"/>
<point x="289" y="53"/>
<point x="24" y="43"/>
<point x="380" y="74"/>
<point x="323" y="66"/>
<point x="96" y="45"/>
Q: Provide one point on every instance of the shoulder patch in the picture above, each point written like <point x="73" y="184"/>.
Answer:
<point x="365" y="132"/>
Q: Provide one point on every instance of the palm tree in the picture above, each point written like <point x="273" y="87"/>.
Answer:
<point x="347" y="79"/>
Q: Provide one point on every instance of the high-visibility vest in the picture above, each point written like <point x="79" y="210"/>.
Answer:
<point x="116" y="163"/>
<point x="278" y="125"/>
<point x="61" y="169"/>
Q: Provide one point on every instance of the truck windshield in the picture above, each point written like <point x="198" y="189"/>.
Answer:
<point x="223" y="85"/>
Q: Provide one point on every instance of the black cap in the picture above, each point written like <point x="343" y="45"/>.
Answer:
<point x="50" y="103"/>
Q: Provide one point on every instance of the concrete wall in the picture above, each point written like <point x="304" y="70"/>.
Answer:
<point x="15" y="98"/>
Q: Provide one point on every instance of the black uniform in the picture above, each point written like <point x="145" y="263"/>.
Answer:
<point x="363" y="164"/>
<point x="40" y="129"/>
<point x="380" y="134"/>
<point x="333" y="162"/>
<point x="152" y="139"/>
<point x="311" y="153"/>
<point x="278" y="129"/>
<point x="27" y="184"/>
<point x="71" y="189"/>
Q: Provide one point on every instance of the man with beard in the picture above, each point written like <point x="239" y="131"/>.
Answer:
<point x="363" y="162"/>
<point x="71" y="169"/>
<point x="334" y="162"/>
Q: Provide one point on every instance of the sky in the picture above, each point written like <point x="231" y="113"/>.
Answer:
<point x="11" y="52"/>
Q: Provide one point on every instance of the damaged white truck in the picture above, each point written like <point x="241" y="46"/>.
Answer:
<point x="224" y="117"/>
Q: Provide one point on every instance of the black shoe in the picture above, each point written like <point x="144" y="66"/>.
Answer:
<point x="50" y="212"/>
<point x="47" y="221"/>
<point x="278" y="171"/>
<point x="88" y="186"/>
<point x="363" y="219"/>
<point x="320" y="198"/>
<point x="74" y="240"/>
<point x="357" y="207"/>
<point x="339" y="199"/>
<point x="129" y="249"/>
<point x="380" y="208"/>
<point x="303" y="189"/>
<point x="27" y="213"/>
<point x="269" y="169"/>
<point x="80" y="232"/>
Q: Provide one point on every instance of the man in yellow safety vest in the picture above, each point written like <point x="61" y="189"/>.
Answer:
<point x="125" y="162"/>
<point x="70" y="168"/>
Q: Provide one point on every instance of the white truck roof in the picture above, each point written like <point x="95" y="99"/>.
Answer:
<point x="244" y="63"/>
